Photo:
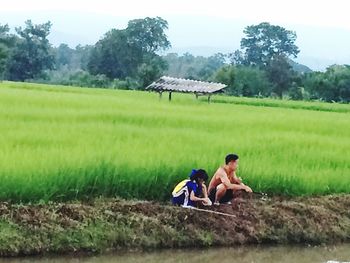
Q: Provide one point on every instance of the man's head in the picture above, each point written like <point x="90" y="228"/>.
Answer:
<point x="231" y="160"/>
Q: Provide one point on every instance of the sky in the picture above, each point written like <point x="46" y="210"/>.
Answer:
<point x="199" y="27"/>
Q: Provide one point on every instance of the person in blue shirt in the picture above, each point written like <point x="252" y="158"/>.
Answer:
<point x="189" y="192"/>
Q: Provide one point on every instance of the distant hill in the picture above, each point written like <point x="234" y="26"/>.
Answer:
<point x="299" y="67"/>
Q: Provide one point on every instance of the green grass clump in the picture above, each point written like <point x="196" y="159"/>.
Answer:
<point x="66" y="143"/>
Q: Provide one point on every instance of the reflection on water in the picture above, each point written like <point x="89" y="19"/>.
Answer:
<point x="262" y="254"/>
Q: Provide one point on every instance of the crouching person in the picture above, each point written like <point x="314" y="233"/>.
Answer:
<point x="225" y="184"/>
<point x="188" y="193"/>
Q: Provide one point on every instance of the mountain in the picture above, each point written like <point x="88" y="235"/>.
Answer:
<point x="299" y="67"/>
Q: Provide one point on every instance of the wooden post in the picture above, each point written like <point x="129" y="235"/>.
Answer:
<point x="169" y="95"/>
<point x="196" y="95"/>
<point x="160" y="95"/>
<point x="208" y="98"/>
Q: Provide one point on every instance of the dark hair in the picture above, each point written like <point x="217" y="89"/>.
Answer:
<point x="198" y="174"/>
<point x="231" y="157"/>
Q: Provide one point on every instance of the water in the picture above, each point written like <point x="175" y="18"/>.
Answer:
<point x="262" y="254"/>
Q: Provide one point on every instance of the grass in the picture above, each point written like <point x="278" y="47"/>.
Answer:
<point x="267" y="102"/>
<point x="61" y="143"/>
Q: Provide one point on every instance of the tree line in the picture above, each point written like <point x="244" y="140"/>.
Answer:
<point x="130" y="58"/>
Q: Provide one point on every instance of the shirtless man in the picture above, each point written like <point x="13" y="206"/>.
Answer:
<point x="225" y="182"/>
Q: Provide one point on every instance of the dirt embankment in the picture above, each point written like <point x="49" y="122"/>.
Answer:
<point x="109" y="224"/>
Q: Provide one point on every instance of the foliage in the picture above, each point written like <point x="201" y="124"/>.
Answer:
<point x="73" y="58"/>
<point x="6" y="41"/>
<point x="194" y="67"/>
<point x="226" y="75"/>
<point x="114" y="56"/>
<point x="236" y="58"/>
<point x="332" y="85"/>
<point x="244" y="81"/>
<point x="81" y="57"/>
<point x="127" y="52"/>
<point x="32" y="52"/>
<point x="148" y="34"/>
<point x="64" y="55"/>
<point x="152" y="70"/>
<point x="129" y="59"/>
<point x="268" y="47"/>
<point x="81" y="78"/>
<point x="66" y="143"/>
<point x="280" y="74"/>
<point x="213" y="63"/>
<point x="263" y="42"/>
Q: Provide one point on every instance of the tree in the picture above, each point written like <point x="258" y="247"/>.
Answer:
<point x="332" y="85"/>
<point x="153" y="69"/>
<point x="263" y="42"/>
<point x="72" y="58"/>
<point x="236" y="58"/>
<point x="32" y="52"/>
<point x="121" y="52"/>
<point x="64" y="55"/>
<point x="227" y="75"/>
<point x="244" y="80"/>
<point x="115" y="56"/>
<point x="82" y="56"/>
<point x="212" y="64"/>
<point x="6" y="42"/>
<point x="280" y="74"/>
<point x="194" y="67"/>
<point x="252" y="82"/>
<point x="148" y="34"/>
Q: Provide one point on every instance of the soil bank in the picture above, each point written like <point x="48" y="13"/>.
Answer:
<point x="103" y="224"/>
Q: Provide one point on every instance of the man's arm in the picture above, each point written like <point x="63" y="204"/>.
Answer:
<point x="236" y="179"/>
<point x="239" y="181"/>
<point x="225" y="181"/>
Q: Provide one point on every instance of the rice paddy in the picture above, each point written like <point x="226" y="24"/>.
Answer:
<point x="63" y="143"/>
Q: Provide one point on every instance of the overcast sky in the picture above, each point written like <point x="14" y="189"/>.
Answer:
<point x="200" y="27"/>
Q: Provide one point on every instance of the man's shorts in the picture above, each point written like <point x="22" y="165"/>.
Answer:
<point x="228" y="196"/>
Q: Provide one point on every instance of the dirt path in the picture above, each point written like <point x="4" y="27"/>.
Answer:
<point x="109" y="224"/>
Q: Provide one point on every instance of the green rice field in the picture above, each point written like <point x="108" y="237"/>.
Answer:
<point x="63" y="143"/>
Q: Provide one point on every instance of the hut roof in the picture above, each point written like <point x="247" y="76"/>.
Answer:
<point x="184" y="85"/>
